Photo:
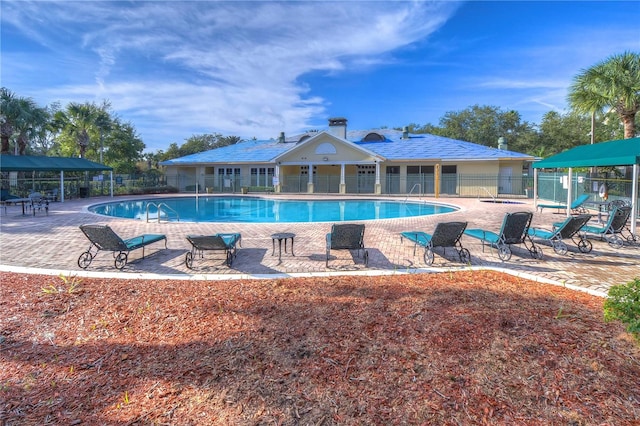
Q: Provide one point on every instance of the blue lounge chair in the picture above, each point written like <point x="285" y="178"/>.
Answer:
<point x="613" y="230"/>
<point x="445" y="235"/>
<point x="218" y="242"/>
<point x="347" y="236"/>
<point x="576" y="207"/>
<point x="514" y="230"/>
<point x="102" y="237"/>
<point x="569" y="229"/>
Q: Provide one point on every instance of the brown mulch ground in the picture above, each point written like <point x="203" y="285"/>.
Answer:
<point x="452" y="348"/>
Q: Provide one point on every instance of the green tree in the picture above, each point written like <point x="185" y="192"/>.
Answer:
<point x="122" y="147"/>
<point x="8" y="111"/>
<point x="21" y="120"/>
<point x="558" y="132"/>
<point x="611" y="84"/>
<point x="195" y="144"/>
<point x="31" y="122"/>
<point x="78" y="125"/>
<point x="483" y="125"/>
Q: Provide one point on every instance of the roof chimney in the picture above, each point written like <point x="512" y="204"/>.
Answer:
<point x="338" y="127"/>
<point x="281" y="138"/>
<point x="502" y="143"/>
<point x="405" y="132"/>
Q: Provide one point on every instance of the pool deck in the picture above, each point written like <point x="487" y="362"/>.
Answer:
<point x="52" y="243"/>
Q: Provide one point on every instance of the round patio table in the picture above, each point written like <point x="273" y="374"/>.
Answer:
<point x="280" y="236"/>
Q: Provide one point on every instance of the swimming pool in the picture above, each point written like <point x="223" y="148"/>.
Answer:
<point x="265" y="210"/>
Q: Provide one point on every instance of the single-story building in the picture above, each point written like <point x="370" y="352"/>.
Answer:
<point x="380" y="161"/>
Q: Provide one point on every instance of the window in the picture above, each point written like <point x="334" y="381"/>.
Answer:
<point x="325" y="148"/>
<point x="450" y="169"/>
<point x="367" y="170"/>
<point x="373" y="137"/>
<point x="417" y="170"/>
<point x="304" y="170"/>
<point x="262" y="176"/>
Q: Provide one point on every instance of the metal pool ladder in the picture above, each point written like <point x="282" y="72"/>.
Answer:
<point x="160" y="207"/>
<point x="411" y="192"/>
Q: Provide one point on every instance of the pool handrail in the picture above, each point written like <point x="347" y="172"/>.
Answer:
<point x="159" y="207"/>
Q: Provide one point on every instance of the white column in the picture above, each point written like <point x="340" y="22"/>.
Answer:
<point x="569" y="191"/>
<point x="62" y="186"/>
<point x="342" y="171"/>
<point x="111" y="182"/>
<point x="310" y="188"/>
<point x="634" y="198"/>
<point x="535" y="189"/>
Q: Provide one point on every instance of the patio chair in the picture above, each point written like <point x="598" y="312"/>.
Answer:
<point x="52" y="195"/>
<point x="102" y="237"/>
<point x="217" y="242"/>
<point x="38" y="202"/>
<point x="514" y="230"/>
<point x="446" y="234"/>
<point x="347" y="236"/>
<point x="613" y="231"/>
<point x="569" y="229"/>
<point x="577" y="207"/>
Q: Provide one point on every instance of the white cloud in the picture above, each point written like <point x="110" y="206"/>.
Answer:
<point x="230" y="67"/>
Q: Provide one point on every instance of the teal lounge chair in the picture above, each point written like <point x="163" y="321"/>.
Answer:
<point x="576" y="207"/>
<point x="568" y="229"/>
<point x="102" y="237"/>
<point x="217" y="242"/>
<point x="613" y="230"/>
<point x="514" y="230"/>
<point x="445" y="235"/>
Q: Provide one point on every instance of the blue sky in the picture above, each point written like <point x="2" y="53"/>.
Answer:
<point x="254" y="69"/>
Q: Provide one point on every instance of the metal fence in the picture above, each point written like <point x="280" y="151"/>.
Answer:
<point x="551" y="186"/>
<point x="555" y="186"/>
<point x="463" y="185"/>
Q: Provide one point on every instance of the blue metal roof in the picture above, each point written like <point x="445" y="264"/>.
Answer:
<point x="417" y="147"/>
<point x="427" y="146"/>
<point x="252" y="151"/>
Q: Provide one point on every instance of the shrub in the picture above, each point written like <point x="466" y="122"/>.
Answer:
<point x="623" y="304"/>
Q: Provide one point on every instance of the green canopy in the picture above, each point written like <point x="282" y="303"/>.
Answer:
<point x="623" y="152"/>
<point x="27" y="163"/>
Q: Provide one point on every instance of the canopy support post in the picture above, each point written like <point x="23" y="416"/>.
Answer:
<point x="62" y="186"/>
<point x="634" y="198"/>
<point x="535" y="189"/>
<point x="569" y="191"/>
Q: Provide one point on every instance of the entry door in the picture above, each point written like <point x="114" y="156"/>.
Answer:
<point x="504" y="180"/>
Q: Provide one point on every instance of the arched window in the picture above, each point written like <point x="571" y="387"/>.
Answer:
<point x="326" y="148"/>
<point x="373" y="137"/>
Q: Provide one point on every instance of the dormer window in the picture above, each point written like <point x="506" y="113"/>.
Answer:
<point x="373" y="137"/>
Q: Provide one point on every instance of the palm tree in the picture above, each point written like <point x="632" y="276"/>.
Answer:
<point x="8" y="111"/>
<point x="20" y="117"/>
<point x="613" y="83"/>
<point x="31" y="120"/>
<point x="80" y="121"/>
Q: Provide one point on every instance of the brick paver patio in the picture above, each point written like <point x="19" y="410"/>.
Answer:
<point x="52" y="243"/>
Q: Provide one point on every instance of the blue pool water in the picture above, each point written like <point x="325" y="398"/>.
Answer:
<point x="263" y="210"/>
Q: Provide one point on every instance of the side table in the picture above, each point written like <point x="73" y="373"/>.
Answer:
<point x="281" y="236"/>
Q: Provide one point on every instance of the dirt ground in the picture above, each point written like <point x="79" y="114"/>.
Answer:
<point x="452" y="348"/>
